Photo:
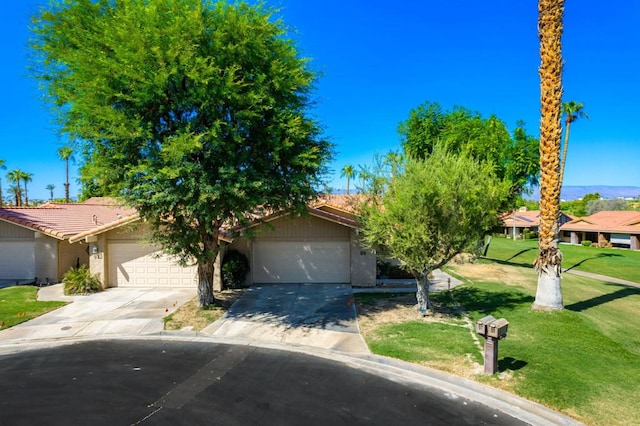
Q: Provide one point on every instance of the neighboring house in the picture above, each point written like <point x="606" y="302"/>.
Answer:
<point x="322" y="246"/>
<point x="34" y="241"/>
<point x="525" y="220"/>
<point x="605" y="228"/>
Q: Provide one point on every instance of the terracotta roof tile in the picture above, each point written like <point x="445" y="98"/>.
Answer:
<point x="523" y="219"/>
<point x="64" y="220"/>
<point x="606" y="221"/>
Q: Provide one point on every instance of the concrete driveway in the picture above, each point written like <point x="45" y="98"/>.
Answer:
<point x="318" y="315"/>
<point x="111" y="313"/>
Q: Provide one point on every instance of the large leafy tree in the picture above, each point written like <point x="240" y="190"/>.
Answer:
<point x="194" y="111"/>
<point x="514" y="156"/>
<point x="572" y="111"/>
<point x="548" y="263"/>
<point x="432" y="210"/>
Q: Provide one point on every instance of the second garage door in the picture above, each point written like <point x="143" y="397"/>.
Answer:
<point x="17" y="260"/>
<point x="301" y="262"/>
<point x="138" y="265"/>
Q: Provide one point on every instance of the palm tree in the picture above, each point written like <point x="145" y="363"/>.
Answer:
<point x="15" y="176"/>
<point x="65" y="153"/>
<point x="50" y="188"/>
<point x="571" y="111"/>
<point x="549" y="259"/>
<point x="348" y="171"/>
<point x="15" y="190"/>
<point x="2" y="167"/>
<point x="26" y="177"/>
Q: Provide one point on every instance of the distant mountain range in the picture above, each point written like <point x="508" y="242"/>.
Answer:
<point x="576" y="192"/>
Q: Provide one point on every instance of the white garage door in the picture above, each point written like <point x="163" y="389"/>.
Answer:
<point x="17" y="260"/>
<point x="138" y="265"/>
<point x="301" y="262"/>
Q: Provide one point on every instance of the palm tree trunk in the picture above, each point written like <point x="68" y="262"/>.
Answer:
<point x="26" y="194"/>
<point x="549" y="260"/>
<point x="66" y="183"/>
<point x="564" y="151"/>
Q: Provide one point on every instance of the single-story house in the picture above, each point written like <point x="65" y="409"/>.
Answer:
<point x="321" y="246"/>
<point x="34" y="241"/>
<point x="605" y="228"/>
<point x="515" y="224"/>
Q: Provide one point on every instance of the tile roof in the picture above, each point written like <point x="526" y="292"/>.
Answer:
<point x="523" y="219"/>
<point x="98" y="215"/>
<point x="528" y="218"/>
<point x="62" y="221"/>
<point x="344" y="202"/>
<point x="606" y="221"/>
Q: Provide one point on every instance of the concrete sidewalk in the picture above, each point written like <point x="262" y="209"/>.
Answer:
<point x="115" y="312"/>
<point x="602" y="278"/>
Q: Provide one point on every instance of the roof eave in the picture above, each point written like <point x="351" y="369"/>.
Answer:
<point x="105" y="228"/>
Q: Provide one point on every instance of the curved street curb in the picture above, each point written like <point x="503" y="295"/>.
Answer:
<point x="392" y="369"/>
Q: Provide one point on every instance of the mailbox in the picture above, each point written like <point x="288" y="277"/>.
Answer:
<point x="482" y="323"/>
<point x="498" y="328"/>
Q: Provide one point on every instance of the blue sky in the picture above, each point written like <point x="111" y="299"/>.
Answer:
<point x="380" y="59"/>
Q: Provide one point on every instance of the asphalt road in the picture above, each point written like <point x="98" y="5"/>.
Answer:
<point x="170" y="383"/>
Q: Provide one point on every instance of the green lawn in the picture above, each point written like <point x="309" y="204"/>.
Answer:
<point x="19" y="304"/>
<point x="618" y="263"/>
<point x="583" y="360"/>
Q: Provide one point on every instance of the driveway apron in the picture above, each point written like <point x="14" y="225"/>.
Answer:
<point x="113" y="312"/>
<point x="318" y="315"/>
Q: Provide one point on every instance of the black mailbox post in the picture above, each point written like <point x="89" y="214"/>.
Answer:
<point x="493" y="330"/>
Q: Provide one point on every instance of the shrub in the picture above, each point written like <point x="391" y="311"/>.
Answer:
<point x="586" y="243"/>
<point x="80" y="281"/>
<point x="235" y="268"/>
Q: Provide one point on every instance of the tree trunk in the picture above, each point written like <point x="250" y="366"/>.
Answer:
<point x="564" y="151"/>
<point x="424" y="304"/>
<point x="549" y="291"/>
<point x="205" y="284"/>
<point x="66" y="183"/>
<point x="548" y="262"/>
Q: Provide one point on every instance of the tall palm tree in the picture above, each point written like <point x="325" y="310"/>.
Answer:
<point x="50" y="188"/>
<point x="66" y="153"/>
<point x="348" y="171"/>
<point x="15" y="190"/>
<point x="26" y="178"/>
<point x="571" y="111"/>
<point x="549" y="259"/>
<point x="2" y="167"/>
<point x="15" y="176"/>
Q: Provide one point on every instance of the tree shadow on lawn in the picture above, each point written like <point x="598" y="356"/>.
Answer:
<point x="488" y="302"/>
<point x="598" y="256"/>
<point x="520" y="252"/>
<point x="622" y="291"/>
